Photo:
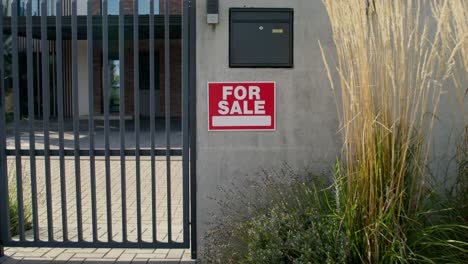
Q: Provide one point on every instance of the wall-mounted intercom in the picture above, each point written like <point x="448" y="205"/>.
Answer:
<point x="212" y="10"/>
<point x="261" y="37"/>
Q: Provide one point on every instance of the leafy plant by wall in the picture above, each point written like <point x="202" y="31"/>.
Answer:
<point x="285" y="217"/>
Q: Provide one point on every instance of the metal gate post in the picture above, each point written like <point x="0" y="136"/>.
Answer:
<point x="3" y="175"/>
<point x="193" y="124"/>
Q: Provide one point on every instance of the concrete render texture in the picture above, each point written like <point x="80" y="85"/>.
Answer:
<point x="307" y="124"/>
<point x="307" y="134"/>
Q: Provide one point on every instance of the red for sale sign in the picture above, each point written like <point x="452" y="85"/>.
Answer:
<point x="238" y="106"/>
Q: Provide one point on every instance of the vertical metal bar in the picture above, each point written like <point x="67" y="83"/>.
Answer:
<point x="136" y="91"/>
<point x="123" y="180"/>
<point x="152" y="120"/>
<point x="105" y="87"/>
<point x="46" y="116"/>
<point x="76" y="120"/>
<point x="185" y="119"/>
<point x="54" y="86"/>
<point x="193" y="128"/>
<point x="38" y="80"/>
<point x="63" y="184"/>
<point x="92" y="168"/>
<point x="16" y="107"/>
<point x="60" y="95"/>
<point x="4" y="211"/>
<point x="167" y="76"/>
<point x="32" y="136"/>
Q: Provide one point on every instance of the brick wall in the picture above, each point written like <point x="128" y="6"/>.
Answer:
<point x="175" y="7"/>
<point x="176" y="65"/>
<point x="176" y="78"/>
<point x="97" y="7"/>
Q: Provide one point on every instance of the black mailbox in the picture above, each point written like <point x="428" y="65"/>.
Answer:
<point x="261" y="37"/>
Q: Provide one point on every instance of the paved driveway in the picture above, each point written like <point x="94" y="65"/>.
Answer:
<point x="114" y="134"/>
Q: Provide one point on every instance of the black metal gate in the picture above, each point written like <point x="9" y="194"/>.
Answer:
<point x="98" y="179"/>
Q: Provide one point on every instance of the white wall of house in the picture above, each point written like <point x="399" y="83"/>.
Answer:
<point x="81" y="7"/>
<point x="83" y="78"/>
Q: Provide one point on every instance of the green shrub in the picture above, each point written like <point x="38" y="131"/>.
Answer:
<point x="293" y="220"/>
<point x="284" y="218"/>
<point x="442" y="224"/>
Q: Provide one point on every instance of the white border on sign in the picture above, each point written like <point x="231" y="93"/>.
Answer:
<point x="239" y="130"/>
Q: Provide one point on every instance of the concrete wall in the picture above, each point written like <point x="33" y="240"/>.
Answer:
<point x="307" y="125"/>
<point x="307" y="121"/>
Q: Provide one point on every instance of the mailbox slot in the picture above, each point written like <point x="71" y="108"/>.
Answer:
<point x="261" y="37"/>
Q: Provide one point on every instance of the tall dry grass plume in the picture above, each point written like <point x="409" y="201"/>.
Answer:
<point x="454" y="34"/>
<point x="459" y="13"/>
<point x="459" y="34"/>
<point x="393" y="63"/>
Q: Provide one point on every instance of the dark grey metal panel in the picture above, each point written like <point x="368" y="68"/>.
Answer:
<point x="136" y="85"/>
<point x="76" y="121"/>
<point x="99" y="244"/>
<point x="32" y="137"/>
<point x="46" y="116"/>
<point x="98" y="152"/>
<point x="193" y="128"/>
<point x="92" y="168"/>
<point x="60" y="113"/>
<point x="212" y="7"/>
<point x="105" y="87"/>
<point x="185" y="117"/>
<point x="152" y="120"/>
<point x="261" y="37"/>
<point x="167" y="75"/>
<point x="16" y="109"/>
<point x="4" y="211"/>
<point x="123" y="179"/>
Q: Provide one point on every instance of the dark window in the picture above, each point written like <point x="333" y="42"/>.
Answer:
<point x="145" y="72"/>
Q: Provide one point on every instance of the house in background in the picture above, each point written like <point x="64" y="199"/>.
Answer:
<point x="113" y="59"/>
